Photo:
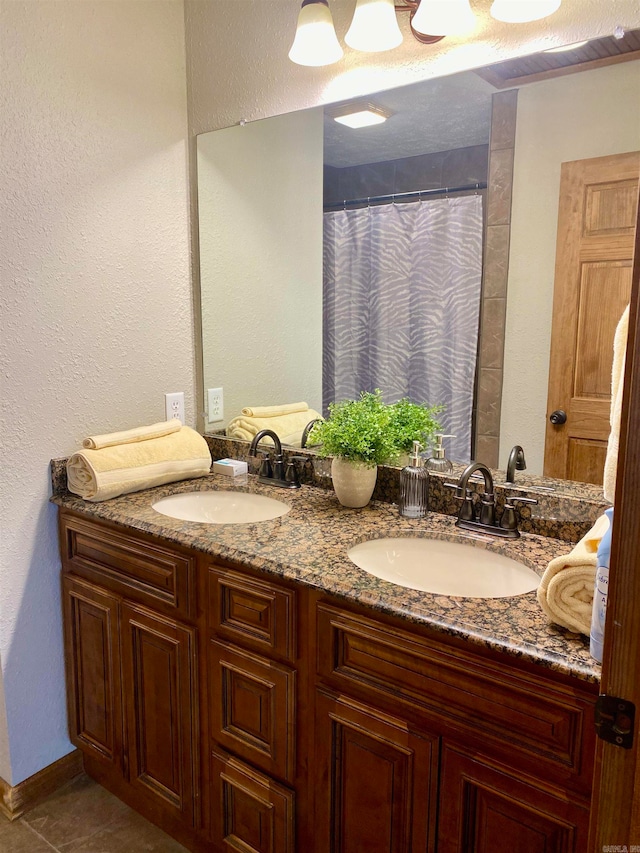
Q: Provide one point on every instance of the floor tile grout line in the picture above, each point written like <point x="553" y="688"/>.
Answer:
<point x="41" y="837"/>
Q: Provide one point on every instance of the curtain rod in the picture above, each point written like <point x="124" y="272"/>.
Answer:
<point x="391" y="197"/>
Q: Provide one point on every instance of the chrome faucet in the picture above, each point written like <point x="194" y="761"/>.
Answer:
<point x="274" y="475"/>
<point x="485" y="520"/>
<point x="516" y="463"/>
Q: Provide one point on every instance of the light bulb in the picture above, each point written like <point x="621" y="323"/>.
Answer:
<point x="315" y="42"/>
<point x="521" y="11"/>
<point x="443" y="18"/>
<point x="374" y="26"/>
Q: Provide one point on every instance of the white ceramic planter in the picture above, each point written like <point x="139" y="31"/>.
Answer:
<point x="353" y="482"/>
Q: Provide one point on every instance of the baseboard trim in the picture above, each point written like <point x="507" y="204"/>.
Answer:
<point x="17" y="799"/>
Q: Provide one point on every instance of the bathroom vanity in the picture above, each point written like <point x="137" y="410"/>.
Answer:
<point x="246" y="687"/>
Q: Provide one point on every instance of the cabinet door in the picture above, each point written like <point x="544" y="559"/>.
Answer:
<point x="159" y="668"/>
<point x="376" y="783"/>
<point x="483" y="810"/>
<point x="94" y="693"/>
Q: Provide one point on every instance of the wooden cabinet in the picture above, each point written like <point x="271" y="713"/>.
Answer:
<point x="376" y="780"/>
<point x="131" y="670"/>
<point x="244" y="712"/>
<point x="253" y="712"/>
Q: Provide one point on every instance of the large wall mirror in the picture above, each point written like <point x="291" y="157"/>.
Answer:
<point x="261" y="191"/>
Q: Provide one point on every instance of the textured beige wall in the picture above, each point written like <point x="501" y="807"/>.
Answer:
<point x="569" y="118"/>
<point x="97" y="315"/>
<point x="237" y="63"/>
<point x="260" y="202"/>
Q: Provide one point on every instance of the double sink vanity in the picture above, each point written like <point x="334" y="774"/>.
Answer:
<point x="241" y="681"/>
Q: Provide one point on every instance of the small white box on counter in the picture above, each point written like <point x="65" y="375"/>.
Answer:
<point x="230" y="467"/>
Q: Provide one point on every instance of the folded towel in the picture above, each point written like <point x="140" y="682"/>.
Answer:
<point x="566" y="589"/>
<point x="129" y="436"/>
<point x="274" y="411"/>
<point x="288" y="428"/>
<point x="617" y="376"/>
<point x="97" y="475"/>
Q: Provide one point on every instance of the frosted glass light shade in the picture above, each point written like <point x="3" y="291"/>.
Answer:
<point x="443" y="18"/>
<point x="374" y="26"/>
<point x="521" y="11"/>
<point x="315" y="42"/>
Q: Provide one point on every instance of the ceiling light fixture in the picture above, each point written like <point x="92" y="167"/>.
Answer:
<point x="375" y="26"/>
<point x="523" y="11"/>
<point x="360" y="114"/>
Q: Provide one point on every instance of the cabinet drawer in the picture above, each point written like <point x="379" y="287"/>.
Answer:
<point x="138" y="569"/>
<point x="256" y="613"/>
<point x="249" y="811"/>
<point x="503" y="711"/>
<point x="252" y="703"/>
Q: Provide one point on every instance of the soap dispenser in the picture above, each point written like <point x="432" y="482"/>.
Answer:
<point x="414" y="486"/>
<point x="439" y="461"/>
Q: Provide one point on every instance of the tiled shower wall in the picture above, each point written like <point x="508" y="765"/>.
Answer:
<point x="494" y="282"/>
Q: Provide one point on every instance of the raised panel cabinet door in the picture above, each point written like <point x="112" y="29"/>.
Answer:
<point x="249" y="811"/>
<point x="483" y="810"/>
<point x="376" y="781"/>
<point x="160" y="698"/>
<point x="92" y="652"/>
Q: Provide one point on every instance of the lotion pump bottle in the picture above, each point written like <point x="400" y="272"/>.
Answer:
<point x="414" y="486"/>
<point x="439" y="461"/>
<point x="600" y="592"/>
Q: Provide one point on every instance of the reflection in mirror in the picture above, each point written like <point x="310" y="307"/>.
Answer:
<point x="261" y="200"/>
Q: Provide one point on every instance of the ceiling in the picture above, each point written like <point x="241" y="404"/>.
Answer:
<point x="454" y="112"/>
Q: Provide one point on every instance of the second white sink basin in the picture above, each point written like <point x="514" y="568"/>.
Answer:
<point x="443" y="567"/>
<point x="221" y="507"/>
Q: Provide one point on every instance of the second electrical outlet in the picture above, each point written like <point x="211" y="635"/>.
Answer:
<point x="215" y="405"/>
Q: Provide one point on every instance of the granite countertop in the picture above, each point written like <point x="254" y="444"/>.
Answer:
<point x="310" y="543"/>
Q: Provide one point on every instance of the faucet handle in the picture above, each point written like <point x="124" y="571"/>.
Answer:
<point x="514" y="498"/>
<point x="265" y="466"/>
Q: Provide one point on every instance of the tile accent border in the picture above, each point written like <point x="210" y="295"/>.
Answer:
<point x="493" y="306"/>
<point x="17" y="799"/>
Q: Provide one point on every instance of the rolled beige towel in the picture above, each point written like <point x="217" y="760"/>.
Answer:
<point x="566" y="589"/>
<point x="288" y="428"/>
<point x="617" y="377"/>
<point x="97" y="475"/>
<point x="274" y="411"/>
<point x="130" y="436"/>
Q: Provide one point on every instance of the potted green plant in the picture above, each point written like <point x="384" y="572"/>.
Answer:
<point x="413" y="422"/>
<point x="364" y="433"/>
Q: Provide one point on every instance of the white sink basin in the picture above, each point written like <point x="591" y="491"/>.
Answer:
<point x="444" y="568"/>
<point x="221" y="507"/>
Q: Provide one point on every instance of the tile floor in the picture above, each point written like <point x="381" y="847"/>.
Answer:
<point x="83" y="818"/>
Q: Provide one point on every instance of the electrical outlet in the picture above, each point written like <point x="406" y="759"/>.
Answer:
<point x="216" y="405"/>
<point x="174" y="406"/>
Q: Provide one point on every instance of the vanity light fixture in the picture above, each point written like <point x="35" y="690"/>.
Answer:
<point x="442" y="18"/>
<point x="315" y="42"/>
<point x="523" y="11"/>
<point x="374" y="26"/>
<point x="360" y="114"/>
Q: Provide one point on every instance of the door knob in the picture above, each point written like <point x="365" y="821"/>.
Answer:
<point x="558" y="417"/>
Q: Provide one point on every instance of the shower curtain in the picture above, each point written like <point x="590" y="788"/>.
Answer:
<point x="401" y="306"/>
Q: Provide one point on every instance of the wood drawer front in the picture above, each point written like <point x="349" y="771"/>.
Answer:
<point x="255" y="613"/>
<point x="518" y="713"/>
<point x="249" y="811"/>
<point x="143" y="571"/>
<point x="252" y="704"/>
